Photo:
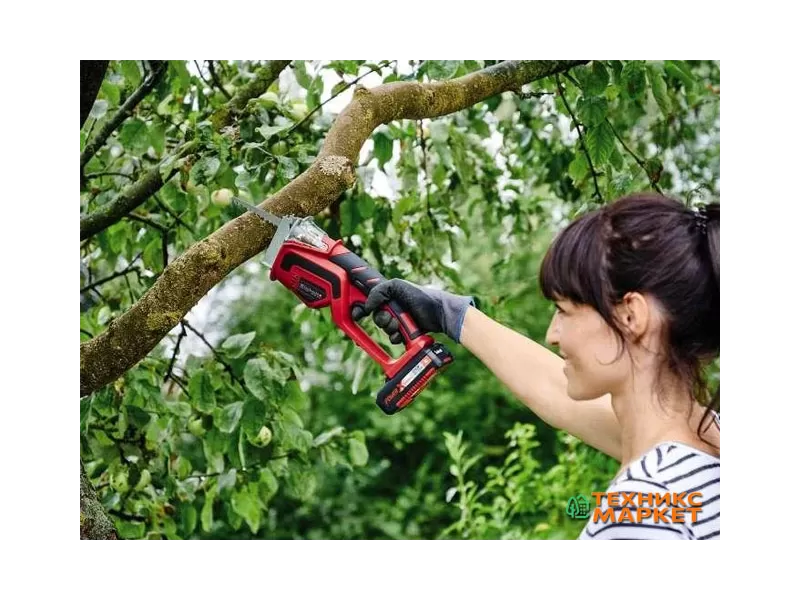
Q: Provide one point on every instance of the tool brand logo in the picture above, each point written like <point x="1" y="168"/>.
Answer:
<point x="636" y="507"/>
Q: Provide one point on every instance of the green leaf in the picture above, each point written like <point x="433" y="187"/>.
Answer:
<point x="358" y="452"/>
<point x="254" y="415"/>
<point x="350" y="67"/>
<point x="130" y="71"/>
<point x="110" y="92"/>
<point x="258" y="377"/>
<point x="303" y="78"/>
<point x="134" y="135"/>
<point x="595" y="79"/>
<point x="678" y="69"/>
<point x="268" y="484"/>
<point x="188" y="518"/>
<point x="301" y="484"/>
<point x="157" y="137"/>
<point x="579" y="167"/>
<point x="289" y="166"/>
<point x="130" y="530"/>
<point x="202" y="392"/>
<point x="268" y="131"/>
<point x="138" y="417"/>
<point x="207" y="513"/>
<point x="324" y="438"/>
<point x="86" y="406"/>
<point x="204" y="170"/>
<point x="592" y="110"/>
<point x="659" y="88"/>
<point x="236" y="345"/>
<point x="227" y="418"/>
<point x="246" y="505"/>
<point x="383" y="148"/>
<point x="442" y="69"/>
<point x="601" y="142"/>
<point x="226" y="480"/>
<point x="633" y="78"/>
<point x="481" y="128"/>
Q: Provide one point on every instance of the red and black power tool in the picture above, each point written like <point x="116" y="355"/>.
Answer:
<point x="322" y="272"/>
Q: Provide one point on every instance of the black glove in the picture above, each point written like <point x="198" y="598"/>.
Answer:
<point x="433" y="310"/>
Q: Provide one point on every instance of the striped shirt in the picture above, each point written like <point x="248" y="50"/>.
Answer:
<point x="669" y="468"/>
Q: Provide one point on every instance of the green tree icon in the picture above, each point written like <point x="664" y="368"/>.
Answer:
<point x="578" y="507"/>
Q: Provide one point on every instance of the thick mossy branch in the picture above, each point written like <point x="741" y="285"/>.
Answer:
<point x="95" y="524"/>
<point x="151" y="180"/>
<point x="130" y="337"/>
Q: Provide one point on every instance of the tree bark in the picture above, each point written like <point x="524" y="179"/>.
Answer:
<point x="95" y="523"/>
<point x="92" y="74"/>
<point x="186" y="280"/>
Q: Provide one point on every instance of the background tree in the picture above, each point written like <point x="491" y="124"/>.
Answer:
<point x="253" y="416"/>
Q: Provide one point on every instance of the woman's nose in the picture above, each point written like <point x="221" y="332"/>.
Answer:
<point x="552" y="332"/>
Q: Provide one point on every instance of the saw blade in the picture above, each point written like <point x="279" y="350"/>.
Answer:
<point x="268" y="216"/>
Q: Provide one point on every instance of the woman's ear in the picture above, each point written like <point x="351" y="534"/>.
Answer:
<point x="633" y="315"/>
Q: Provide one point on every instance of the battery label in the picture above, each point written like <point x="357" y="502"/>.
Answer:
<point x="412" y="374"/>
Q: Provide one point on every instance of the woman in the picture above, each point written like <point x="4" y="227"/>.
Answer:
<point x="636" y="290"/>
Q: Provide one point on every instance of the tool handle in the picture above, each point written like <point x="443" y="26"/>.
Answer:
<point x="366" y="277"/>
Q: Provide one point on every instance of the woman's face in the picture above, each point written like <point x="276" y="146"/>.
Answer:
<point x="589" y="348"/>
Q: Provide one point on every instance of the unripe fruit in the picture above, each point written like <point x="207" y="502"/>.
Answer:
<point x="222" y="197"/>
<point x="264" y="437"/>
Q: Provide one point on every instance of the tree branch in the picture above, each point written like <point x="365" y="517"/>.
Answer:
<point x="561" y="95"/>
<point x="151" y="181"/>
<point x="159" y="68"/>
<point x="189" y="277"/>
<point x="222" y="361"/>
<point x="216" y="80"/>
<point x="181" y="335"/>
<point x="92" y="74"/>
<point x="95" y="524"/>
<point x="341" y="91"/>
<point x="638" y="160"/>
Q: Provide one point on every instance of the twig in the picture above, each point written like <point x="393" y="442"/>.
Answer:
<point x="92" y="286"/>
<point x="129" y="269"/>
<point x="130" y="289"/>
<point x="126" y="516"/>
<point x="177" y="380"/>
<point x="200" y="72"/>
<point x="580" y="136"/>
<point x="217" y="356"/>
<point x="218" y="83"/>
<point x="425" y="173"/>
<point x="385" y="63"/>
<point x="181" y="335"/>
<point x="146" y="221"/>
<point x="92" y="146"/>
<point x="638" y="160"/>
<point x="165" y="207"/>
<point x="108" y="173"/>
<point x="83" y="331"/>
<point x="244" y="470"/>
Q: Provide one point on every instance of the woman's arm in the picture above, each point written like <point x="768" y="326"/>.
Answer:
<point x="535" y="375"/>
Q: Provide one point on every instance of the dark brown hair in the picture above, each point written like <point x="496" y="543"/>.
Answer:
<point x="650" y="244"/>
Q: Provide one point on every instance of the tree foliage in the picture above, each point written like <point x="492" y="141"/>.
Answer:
<point x="255" y="417"/>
